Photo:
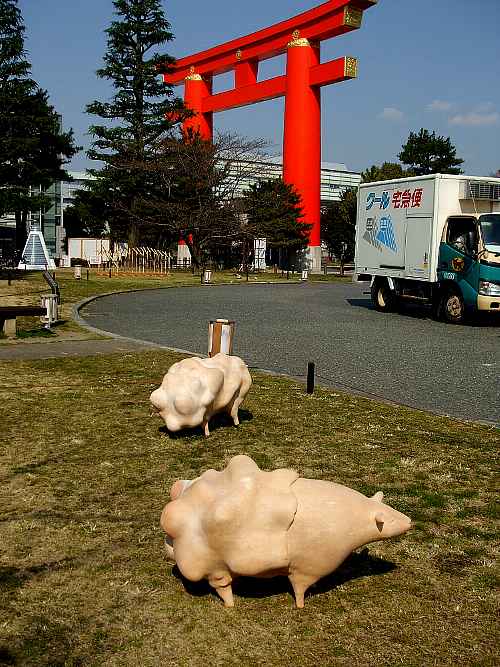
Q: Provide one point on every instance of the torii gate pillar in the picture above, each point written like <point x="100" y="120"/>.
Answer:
<point x="196" y="89"/>
<point x="302" y="138"/>
<point x="300" y="38"/>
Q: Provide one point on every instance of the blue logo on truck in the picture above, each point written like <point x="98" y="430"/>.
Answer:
<point x="380" y="233"/>
<point x="384" y="200"/>
<point x="386" y="234"/>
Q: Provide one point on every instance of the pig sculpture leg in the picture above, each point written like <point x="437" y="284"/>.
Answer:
<point x="300" y="584"/>
<point x="226" y="593"/>
<point x="233" y="408"/>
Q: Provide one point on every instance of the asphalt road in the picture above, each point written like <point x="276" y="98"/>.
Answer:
<point x="405" y="357"/>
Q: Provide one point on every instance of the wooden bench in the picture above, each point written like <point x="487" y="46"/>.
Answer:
<point x="8" y="315"/>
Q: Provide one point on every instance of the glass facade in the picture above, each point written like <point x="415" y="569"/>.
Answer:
<point x="50" y="217"/>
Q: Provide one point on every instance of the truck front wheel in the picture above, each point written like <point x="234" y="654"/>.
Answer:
<point x="383" y="298"/>
<point x="452" y="307"/>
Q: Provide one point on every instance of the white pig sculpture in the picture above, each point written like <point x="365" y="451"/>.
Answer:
<point x="195" y="389"/>
<point x="247" y="522"/>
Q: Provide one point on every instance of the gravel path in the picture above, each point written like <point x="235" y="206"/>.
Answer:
<point x="406" y="357"/>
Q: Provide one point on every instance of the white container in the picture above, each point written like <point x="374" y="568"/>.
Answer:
<point x="51" y="303"/>
<point x="220" y="337"/>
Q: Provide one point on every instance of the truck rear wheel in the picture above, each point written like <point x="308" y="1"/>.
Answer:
<point x="452" y="307"/>
<point x="383" y="298"/>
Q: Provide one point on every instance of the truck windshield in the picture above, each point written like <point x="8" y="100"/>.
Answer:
<point x="490" y="227"/>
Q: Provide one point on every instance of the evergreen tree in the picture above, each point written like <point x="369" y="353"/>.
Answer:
<point x="426" y="153"/>
<point x="32" y="145"/>
<point x="14" y="68"/>
<point x="386" y="172"/>
<point x="338" y="227"/>
<point x="141" y="111"/>
<point x="274" y="212"/>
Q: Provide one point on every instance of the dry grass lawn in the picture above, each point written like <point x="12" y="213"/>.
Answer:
<point x="84" y="474"/>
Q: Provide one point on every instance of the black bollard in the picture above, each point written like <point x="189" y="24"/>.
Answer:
<point x="310" y="377"/>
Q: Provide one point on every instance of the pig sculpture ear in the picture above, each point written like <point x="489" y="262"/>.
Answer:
<point x="378" y="497"/>
<point x="380" y="520"/>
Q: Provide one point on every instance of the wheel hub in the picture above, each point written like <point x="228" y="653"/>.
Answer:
<point x="454" y="308"/>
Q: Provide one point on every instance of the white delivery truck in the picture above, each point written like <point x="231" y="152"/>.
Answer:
<point x="433" y="239"/>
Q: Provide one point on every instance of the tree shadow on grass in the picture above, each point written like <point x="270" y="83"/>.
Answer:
<point x="357" y="565"/>
<point x="12" y="578"/>
<point x="46" y="642"/>
<point x="218" y="421"/>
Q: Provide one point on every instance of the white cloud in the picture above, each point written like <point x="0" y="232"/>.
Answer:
<point x="439" y="105"/>
<point x="475" y="119"/>
<point x="391" y="113"/>
<point x="485" y="107"/>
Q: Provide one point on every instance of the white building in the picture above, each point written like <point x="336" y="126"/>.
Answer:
<point x="335" y="177"/>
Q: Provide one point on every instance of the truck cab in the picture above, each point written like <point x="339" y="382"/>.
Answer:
<point x="469" y="265"/>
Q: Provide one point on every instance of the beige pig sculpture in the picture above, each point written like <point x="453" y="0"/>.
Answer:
<point x="247" y="522"/>
<point x="195" y="389"/>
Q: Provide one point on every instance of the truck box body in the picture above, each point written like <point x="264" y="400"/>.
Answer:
<point x="400" y="223"/>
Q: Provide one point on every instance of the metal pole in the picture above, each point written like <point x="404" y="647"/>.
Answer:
<point x="310" y="377"/>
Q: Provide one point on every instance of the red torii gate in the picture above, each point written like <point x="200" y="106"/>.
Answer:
<point x="300" y="38"/>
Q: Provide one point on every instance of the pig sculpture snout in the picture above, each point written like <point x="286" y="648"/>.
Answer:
<point x="391" y="523"/>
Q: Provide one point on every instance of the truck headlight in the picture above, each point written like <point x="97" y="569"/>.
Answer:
<point x="487" y="288"/>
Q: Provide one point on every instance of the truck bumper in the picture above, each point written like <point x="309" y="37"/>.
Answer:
<point x="488" y="303"/>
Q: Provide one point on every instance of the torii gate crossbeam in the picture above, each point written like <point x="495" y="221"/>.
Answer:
<point x="300" y="38"/>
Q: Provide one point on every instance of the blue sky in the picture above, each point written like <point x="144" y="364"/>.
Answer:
<point x="424" y="63"/>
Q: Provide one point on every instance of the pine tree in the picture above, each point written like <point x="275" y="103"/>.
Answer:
<point x="426" y="153"/>
<point x="274" y="212"/>
<point x="141" y="111"/>
<point x="338" y="227"/>
<point x="32" y="145"/>
<point x="14" y="68"/>
<point x="386" y="172"/>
